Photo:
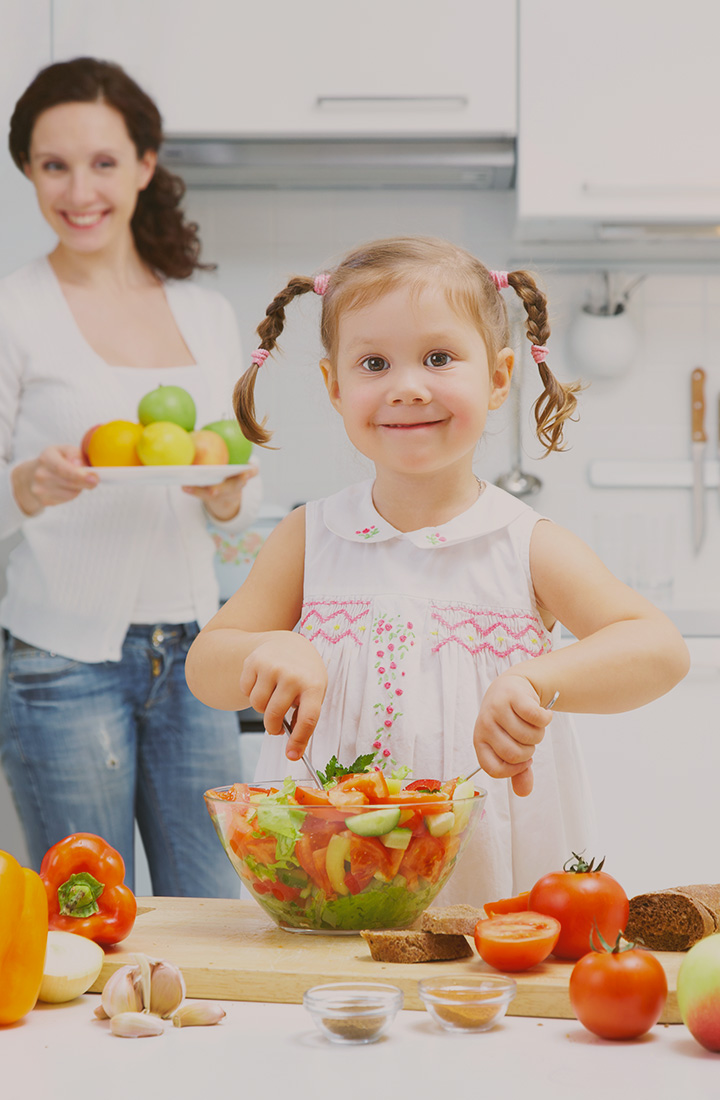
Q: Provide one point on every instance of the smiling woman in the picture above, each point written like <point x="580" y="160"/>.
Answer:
<point x="108" y="586"/>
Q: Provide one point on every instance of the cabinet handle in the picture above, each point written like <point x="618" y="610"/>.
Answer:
<point x="391" y="102"/>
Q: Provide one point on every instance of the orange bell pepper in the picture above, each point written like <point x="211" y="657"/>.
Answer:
<point x="84" y="882"/>
<point x="23" y="938"/>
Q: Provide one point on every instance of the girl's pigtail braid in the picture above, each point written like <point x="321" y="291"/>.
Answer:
<point x="268" y="330"/>
<point x="557" y="402"/>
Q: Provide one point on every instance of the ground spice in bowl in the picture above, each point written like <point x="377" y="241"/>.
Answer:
<point x="467" y="1003"/>
<point x="353" y="1012"/>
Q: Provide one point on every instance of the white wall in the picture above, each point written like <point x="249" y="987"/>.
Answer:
<point x="259" y="239"/>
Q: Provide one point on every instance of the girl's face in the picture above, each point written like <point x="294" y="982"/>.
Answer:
<point x="87" y="174"/>
<point x="413" y="383"/>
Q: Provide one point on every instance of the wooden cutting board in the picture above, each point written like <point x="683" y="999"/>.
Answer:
<point x="231" y="951"/>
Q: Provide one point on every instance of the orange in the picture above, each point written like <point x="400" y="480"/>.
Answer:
<point x="113" y="444"/>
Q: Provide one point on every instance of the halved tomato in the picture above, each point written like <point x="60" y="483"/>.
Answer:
<point x="516" y="941"/>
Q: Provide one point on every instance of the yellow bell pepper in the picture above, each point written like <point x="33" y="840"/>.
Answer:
<point x="23" y="938"/>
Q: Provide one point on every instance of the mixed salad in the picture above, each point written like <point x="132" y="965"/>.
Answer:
<point x="364" y="852"/>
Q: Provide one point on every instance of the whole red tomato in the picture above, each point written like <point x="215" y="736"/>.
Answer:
<point x="619" y="992"/>
<point x="581" y="897"/>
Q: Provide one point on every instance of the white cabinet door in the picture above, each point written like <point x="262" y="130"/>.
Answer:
<point x="654" y="773"/>
<point x="320" y="67"/>
<point x="618" y="111"/>
<point x="24" y="50"/>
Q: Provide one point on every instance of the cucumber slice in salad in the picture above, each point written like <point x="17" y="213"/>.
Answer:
<point x="374" y="823"/>
<point x="439" y="824"/>
<point x="397" y="838"/>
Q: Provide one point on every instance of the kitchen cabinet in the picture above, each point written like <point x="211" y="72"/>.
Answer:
<point x="320" y="68"/>
<point x="653" y="772"/>
<point x="617" y="116"/>
<point x="24" y="49"/>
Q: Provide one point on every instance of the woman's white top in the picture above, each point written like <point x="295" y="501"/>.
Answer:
<point x="413" y="627"/>
<point x="82" y="570"/>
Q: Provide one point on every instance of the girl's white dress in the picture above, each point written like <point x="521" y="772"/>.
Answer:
<point x="413" y="627"/>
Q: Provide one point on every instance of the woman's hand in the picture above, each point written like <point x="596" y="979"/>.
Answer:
<point x="54" y="477"/>
<point x="283" y="672"/>
<point x="223" y="501"/>
<point x="510" y="724"/>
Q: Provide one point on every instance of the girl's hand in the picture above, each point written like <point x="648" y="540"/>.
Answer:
<point x="510" y="724"/>
<point x="223" y="501"/>
<point x="286" y="671"/>
<point x="54" y="477"/>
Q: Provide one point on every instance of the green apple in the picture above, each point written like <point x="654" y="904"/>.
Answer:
<point x="163" y="443"/>
<point x="239" y="448"/>
<point x="171" y="403"/>
<point x="698" y="991"/>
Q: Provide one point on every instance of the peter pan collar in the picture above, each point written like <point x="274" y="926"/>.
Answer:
<point x="352" y="515"/>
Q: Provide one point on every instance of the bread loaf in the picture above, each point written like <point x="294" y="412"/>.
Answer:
<point x="409" y="946"/>
<point x="674" y="919"/>
<point x="458" y="920"/>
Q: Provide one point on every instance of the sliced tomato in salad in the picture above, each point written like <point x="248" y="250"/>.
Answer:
<point x="372" y="784"/>
<point x="311" y="796"/>
<point x="424" y="857"/>
<point x="424" y="785"/>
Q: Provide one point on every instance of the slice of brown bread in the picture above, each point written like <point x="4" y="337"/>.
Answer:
<point x="410" y="946"/>
<point x="458" y="920"/>
<point x="674" y="919"/>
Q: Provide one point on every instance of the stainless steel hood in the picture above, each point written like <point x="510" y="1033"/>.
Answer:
<point x="325" y="163"/>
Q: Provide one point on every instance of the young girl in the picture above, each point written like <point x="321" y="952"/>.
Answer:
<point x="414" y="615"/>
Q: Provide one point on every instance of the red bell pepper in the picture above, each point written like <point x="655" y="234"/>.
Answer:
<point x="83" y="879"/>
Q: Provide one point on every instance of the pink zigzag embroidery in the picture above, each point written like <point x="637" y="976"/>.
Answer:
<point x="499" y="619"/>
<point x="337" y="609"/>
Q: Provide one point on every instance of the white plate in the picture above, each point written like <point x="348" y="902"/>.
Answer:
<point x="166" y="475"/>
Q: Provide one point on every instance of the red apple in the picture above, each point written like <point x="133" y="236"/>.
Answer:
<point x="210" y="448"/>
<point x="84" y="444"/>
<point x="698" y="991"/>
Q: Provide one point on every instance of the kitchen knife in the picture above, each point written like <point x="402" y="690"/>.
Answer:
<point x="699" y="441"/>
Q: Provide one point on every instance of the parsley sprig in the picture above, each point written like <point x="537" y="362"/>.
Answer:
<point x="335" y="770"/>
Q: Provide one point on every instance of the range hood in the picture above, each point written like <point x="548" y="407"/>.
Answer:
<point x="328" y="163"/>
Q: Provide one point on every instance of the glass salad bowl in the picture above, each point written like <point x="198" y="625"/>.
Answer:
<point x="365" y="853"/>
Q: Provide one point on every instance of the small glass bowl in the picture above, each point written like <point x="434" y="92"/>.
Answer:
<point x="353" y="1012"/>
<point x="467" y="1003"/>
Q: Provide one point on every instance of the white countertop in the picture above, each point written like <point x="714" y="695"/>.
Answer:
<point x="61" y="1052"/>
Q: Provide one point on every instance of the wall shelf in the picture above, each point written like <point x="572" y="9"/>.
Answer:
<point x="644" y="474"/>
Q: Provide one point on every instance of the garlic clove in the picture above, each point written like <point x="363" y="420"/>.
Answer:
<point x="135" y="1025"/>
<point x="100" y="1012"/>
<point x="199" y="1014"/>
<point x="120" y="993"/>
<point x="167" y="989"/>
<point x="142" y="976"/>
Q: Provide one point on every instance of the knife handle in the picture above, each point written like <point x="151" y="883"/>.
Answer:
<point x="698" y="405"/>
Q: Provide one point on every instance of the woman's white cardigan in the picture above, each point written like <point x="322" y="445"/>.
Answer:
<point x="73" y="578"/>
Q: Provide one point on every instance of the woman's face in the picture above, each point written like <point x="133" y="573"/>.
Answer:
<point x="87" y="174"/>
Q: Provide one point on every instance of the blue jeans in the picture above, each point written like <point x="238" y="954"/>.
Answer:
<point x="91" y="747"/>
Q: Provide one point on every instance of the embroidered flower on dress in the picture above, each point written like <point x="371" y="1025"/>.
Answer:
<point x="435" y="538"/>
<point x="395" y="640"/>
<point x="368" y="532"/>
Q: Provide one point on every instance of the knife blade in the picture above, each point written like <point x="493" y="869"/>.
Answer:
<point x="699" y="442"/>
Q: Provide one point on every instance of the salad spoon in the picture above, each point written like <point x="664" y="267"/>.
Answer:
<point x="550" y="706"/>
<point x="316" y="778"/>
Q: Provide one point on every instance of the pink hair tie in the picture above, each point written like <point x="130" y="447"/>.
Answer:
<point x="258" y="357"/>
<point x="321" y="283"/>
<point x="538" y="353"/>
<point x="500" y="278"/>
